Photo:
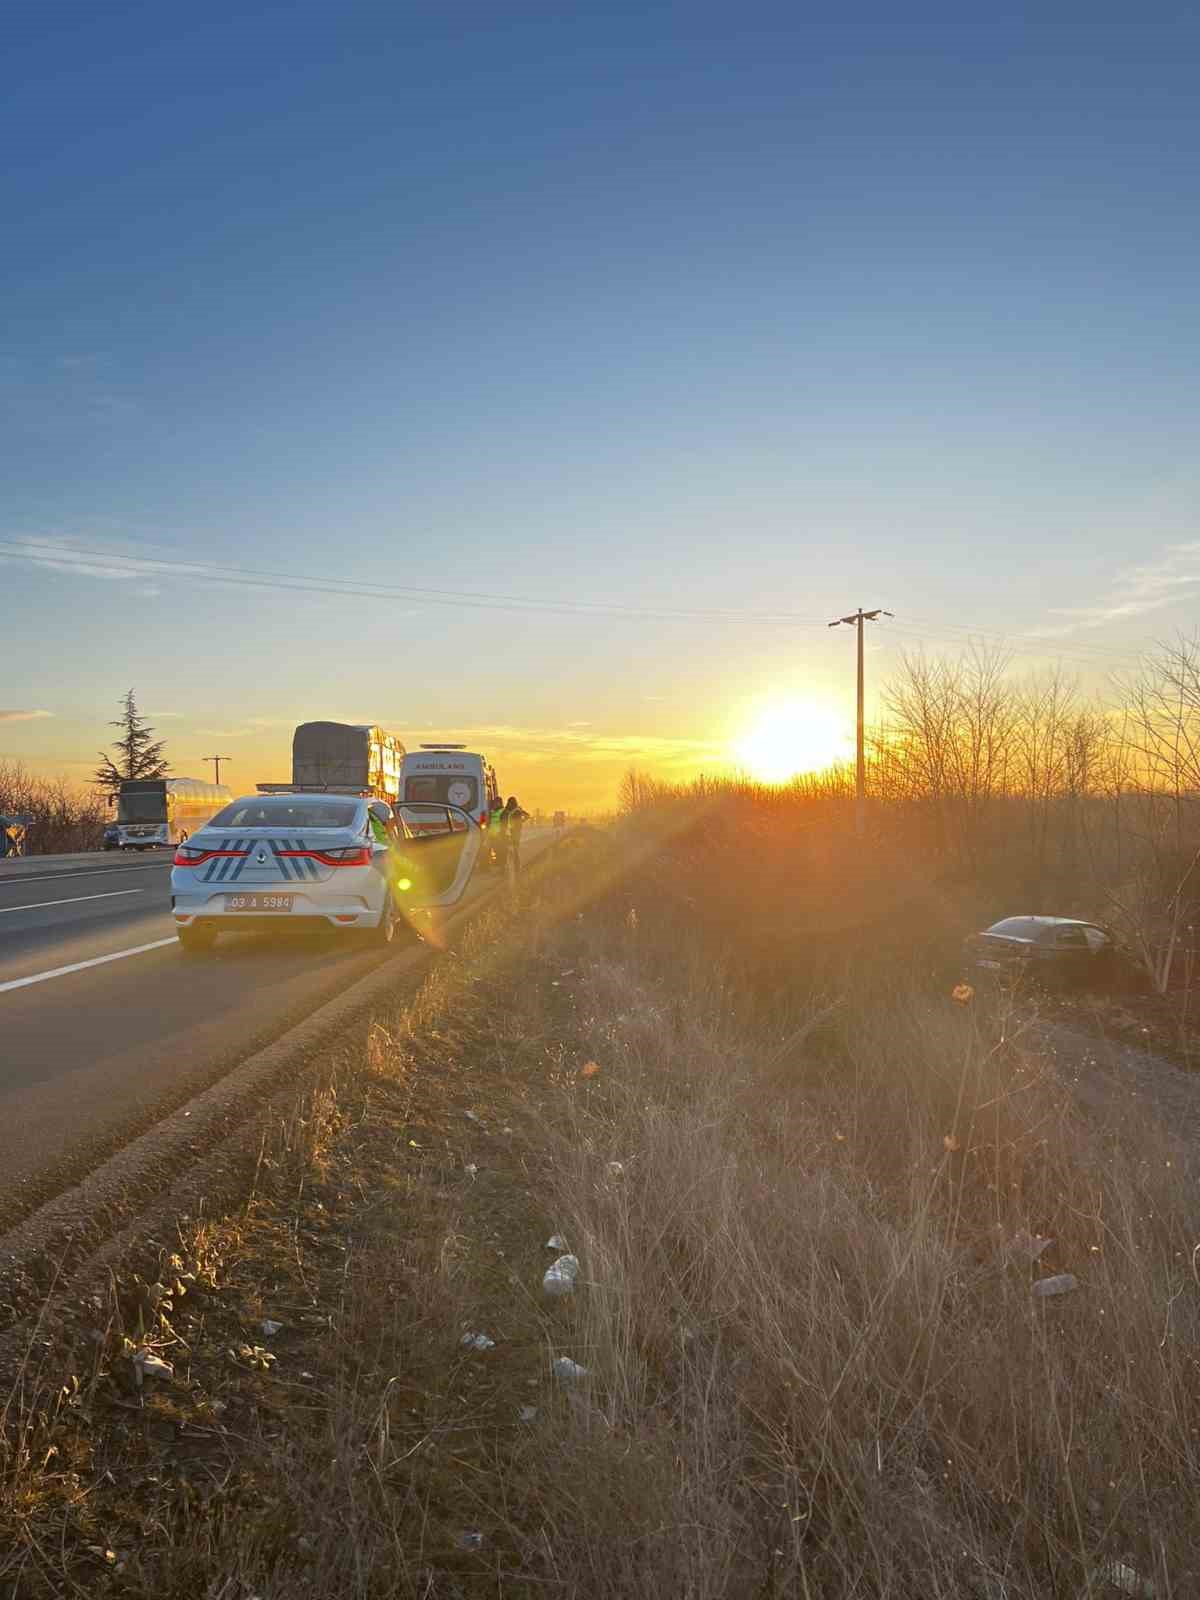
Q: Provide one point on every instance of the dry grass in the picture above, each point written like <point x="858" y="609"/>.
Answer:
<point x="814" y="1334"/>
<point x="816" y="1367"/>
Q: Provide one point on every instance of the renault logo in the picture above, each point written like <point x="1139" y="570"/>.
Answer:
<point x="261" y="858"/>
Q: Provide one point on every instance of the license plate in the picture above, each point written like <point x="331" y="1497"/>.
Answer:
<point x="259" y="902"/>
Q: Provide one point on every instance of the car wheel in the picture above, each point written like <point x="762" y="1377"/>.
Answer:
<point x="196" y="941"/>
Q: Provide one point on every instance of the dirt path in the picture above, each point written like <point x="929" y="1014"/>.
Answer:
<point x="1111" y="1078"/>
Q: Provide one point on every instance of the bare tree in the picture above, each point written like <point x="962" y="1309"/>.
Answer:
<point x="950" y="742"/>
<point x="62" y="817"/>
<point x="1154" y="891"/>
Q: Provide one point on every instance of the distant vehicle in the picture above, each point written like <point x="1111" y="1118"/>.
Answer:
<point x="1059" y="951"/>
<point x="357" y="758"/>
<point x="560" y="819"/>
<point x="268" y="860"/>
<point x="161" y="811"/>
<point x="451" y="774"/>
<point x="111" y="839"/>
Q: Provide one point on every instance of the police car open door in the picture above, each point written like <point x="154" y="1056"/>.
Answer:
<point x="435" y="854"/>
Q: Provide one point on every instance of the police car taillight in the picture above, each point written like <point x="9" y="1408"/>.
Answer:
<point x="354" y="855"/>
<point x="192" y="855"/>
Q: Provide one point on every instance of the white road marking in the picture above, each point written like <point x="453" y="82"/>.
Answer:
<point x="80" y="966"/>
<point x="75" y="899"/>
<point x="88" y="872"/>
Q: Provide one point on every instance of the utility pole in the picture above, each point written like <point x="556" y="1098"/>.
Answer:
<point x="860" y="788"/>
<point x="216" y="761"/>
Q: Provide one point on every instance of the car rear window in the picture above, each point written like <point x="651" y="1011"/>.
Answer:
<point x="1017" y="928"/>
<point x="444" y="788"/>
<point x="287" y="814"/>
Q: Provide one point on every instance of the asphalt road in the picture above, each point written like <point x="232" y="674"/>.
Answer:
<point x="105" y="1025"/>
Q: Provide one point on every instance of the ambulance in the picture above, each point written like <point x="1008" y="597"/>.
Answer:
<point x="450" y="774"/>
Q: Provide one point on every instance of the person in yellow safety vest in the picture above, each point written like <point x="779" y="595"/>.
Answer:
<point x="382" y="821"/>
<point x="495" y="833"/>
<point x="397" y="869"/>
<point x="513" y="820"/>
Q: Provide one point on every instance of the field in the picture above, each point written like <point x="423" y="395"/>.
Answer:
<point x="811" y="1198"/>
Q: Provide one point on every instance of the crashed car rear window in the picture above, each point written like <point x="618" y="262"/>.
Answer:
<point x="1017" y="928"/>
<point x="286" y="815"/>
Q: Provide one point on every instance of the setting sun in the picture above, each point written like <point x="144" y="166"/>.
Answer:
<point x="790" y="737"/>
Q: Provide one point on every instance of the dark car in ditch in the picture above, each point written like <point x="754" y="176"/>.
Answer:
<point x="1058" y="952"/>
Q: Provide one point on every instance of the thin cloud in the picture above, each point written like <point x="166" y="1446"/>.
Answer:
<point x="51" y="554"/>
<point x="578" y="724"/>
<point x="128" y="562"/>
<point x="1166" y="581"/>
<point x="161" y="714"/>
<point x="24" y="716"/>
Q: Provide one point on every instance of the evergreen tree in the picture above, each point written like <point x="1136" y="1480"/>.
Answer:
<point x="139" y="754"/>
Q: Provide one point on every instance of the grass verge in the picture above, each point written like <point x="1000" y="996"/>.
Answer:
<point x="810" y="1231"/>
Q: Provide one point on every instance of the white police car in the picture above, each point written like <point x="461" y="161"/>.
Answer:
<point x="272" y="859"/>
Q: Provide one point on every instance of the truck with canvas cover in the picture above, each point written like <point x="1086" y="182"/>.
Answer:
<point x="355" y="757"/>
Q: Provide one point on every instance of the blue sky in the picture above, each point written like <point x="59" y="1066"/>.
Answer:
<point x="673" y="306"/>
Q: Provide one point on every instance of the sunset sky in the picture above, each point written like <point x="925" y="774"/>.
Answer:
<point x="600" y="322"/>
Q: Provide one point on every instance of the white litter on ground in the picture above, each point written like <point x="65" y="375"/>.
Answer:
<point x="560" y="1275"/>
<point x="478" y="1341"/>
<point x="566" y="1370"/>
<point x="147" y="1365"/>
<point x="1061" y="1283"/>
<point x="1127" y="1579"/>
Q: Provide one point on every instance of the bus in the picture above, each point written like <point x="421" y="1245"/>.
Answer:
<point x="342" y="755"/>
<point x="165" y="811"/>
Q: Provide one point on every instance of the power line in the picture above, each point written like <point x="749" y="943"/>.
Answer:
<point x="1004" y="635"/>
<point x="936" y="636"/>
<point x="41" y="553"/>
<point x="67" y="556"/>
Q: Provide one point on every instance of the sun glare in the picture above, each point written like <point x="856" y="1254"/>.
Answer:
<point x="790" y="737"/>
